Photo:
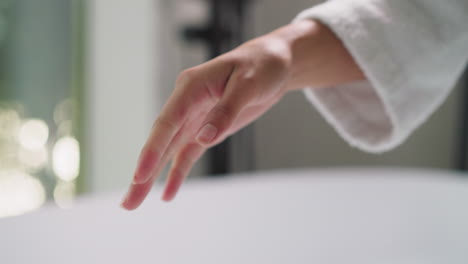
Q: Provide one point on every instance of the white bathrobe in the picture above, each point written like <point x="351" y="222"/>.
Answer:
<point x="412" y="53"/>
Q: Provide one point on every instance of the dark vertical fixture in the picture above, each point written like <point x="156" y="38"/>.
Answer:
<point x="224" y="31"/>
<point x="462" y="147"/>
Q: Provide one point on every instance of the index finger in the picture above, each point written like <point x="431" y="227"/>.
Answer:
<point x="167" y="125"/>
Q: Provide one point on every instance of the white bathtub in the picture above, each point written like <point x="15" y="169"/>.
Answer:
<point x="317" y="216"/>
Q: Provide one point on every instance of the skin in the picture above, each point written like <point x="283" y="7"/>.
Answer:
<point x="215" y="99"/>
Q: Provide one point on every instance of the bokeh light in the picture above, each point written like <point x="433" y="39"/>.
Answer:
<point x="24" y="160"/>
<point x="33" y="134"/>
<point x="33" y="159"/>
<point x="9" y="122"/>
<point x="19" y="193"/>
<point x="66" y="158"/>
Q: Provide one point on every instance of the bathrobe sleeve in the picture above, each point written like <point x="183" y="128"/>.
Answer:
<point x="412" y="53"/>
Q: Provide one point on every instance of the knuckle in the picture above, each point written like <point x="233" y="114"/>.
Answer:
<point x="239" y="60"/>
<point x="186" y="76"/>
<point x="247" y="77"/>
<point x="246" y="74"/>
<point x="275" y="60"/>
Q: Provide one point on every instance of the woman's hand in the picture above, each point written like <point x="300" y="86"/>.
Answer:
<point x="210" y="102"/>
<point x="215" y="99"/>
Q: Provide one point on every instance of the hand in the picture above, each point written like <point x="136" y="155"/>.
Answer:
<point x="215" y="99"/>
<point x="210" y="102"/>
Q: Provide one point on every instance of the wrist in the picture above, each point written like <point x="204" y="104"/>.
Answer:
<point x="317" y="57"/>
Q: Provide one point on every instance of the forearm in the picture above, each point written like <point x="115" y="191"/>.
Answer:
<point x="317" y="57"/>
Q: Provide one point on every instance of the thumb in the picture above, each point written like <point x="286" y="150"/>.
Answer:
<point x="222" y="116"/>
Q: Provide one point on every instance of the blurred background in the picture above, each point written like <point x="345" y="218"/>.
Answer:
<point x="82" y="81"/>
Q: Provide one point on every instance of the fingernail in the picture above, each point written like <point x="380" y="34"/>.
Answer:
<point x="145" y="166"/>
<point x="207" y="134"/>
